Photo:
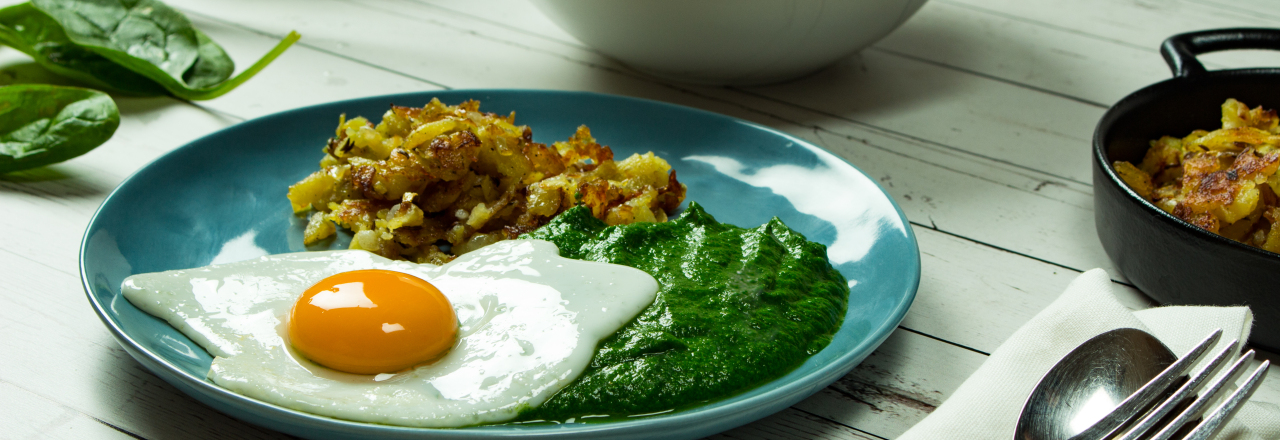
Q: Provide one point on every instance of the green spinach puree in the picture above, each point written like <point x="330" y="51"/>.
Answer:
<point x="735" y="308"/>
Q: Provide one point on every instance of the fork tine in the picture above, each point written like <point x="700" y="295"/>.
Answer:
<point x="1216" y="421"/>
<point x="1186" y="390"/>
<point x="1197" y="408"/>
<point x="1129" y="408"/>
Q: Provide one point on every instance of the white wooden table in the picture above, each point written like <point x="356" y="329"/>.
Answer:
<point x="976" y="116"/>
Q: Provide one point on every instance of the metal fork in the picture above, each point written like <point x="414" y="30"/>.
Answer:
<point x="1129" y="421"/>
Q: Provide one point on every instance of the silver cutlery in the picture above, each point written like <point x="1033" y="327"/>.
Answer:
<point x="1076" y="399"/>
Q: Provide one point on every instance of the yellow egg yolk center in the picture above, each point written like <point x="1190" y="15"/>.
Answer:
<point x="372" y="321"/>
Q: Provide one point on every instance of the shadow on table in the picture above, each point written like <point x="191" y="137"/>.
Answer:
<point x="792" y="423"/>
<point x="147" y="407"/>
<point x="56" y="182"/>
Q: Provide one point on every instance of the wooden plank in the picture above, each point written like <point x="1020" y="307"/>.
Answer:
<point x="444" y="52"/>
<point x="792" y="423"/>
<point x="965" y="113"/>
<point x="521" y="15"/>
<point x="1139" y="24"/>
<point x="1025" y="53"/>
<point x="1263" y="9"/>
<point x="302" y="76"/>
<point x="896" y="386"/>
<point x="957" y="283"/>
<point x="1074" y="54"/>
<point x="27" y="415"/>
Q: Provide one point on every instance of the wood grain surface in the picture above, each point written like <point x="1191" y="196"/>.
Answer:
<point x="976" y="116"/>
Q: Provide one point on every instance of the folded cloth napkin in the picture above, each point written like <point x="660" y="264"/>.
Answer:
<point x="987" y="405"/>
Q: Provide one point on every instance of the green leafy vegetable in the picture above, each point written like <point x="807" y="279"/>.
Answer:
<point x="133" y="46"/>
<point x="735" y="308"/>
<point x="43" y="124"/>
<point x="141" y="30"/>
<point x="28" y="30"/>
<point x="140" y="47"/>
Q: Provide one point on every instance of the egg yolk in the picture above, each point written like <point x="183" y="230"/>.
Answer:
<point x="372" y="321"/>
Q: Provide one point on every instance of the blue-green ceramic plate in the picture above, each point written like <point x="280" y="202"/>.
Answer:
<point x="222" y="197"/>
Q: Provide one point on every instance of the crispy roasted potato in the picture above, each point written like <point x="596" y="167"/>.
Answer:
<point x="455" y="178"/>
<point x="1224" y="181"/>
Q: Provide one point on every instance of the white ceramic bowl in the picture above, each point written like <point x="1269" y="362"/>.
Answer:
<point x="735" y="42"/>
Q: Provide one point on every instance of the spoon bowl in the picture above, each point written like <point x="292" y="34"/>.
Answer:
<point x="1089" y="382"/>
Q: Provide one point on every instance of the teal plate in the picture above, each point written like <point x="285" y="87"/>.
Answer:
<point x="221" y="198"/>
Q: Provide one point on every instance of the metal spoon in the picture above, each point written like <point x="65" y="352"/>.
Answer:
<point x="1089" y="382"/>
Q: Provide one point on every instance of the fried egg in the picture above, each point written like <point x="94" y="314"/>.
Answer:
<point x="526" y="323"/>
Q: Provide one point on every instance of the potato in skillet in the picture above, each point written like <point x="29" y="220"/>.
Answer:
<point x="1224" y="181"/>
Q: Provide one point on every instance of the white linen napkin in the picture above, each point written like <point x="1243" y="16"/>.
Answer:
<point x="987" y="405"/>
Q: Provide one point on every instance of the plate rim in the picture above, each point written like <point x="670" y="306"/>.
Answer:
<point x="726" y="415"/>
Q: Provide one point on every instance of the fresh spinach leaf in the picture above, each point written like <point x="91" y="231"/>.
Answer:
<point x="30" y="31"/>
<point x="132" y="46"/>
<point x="212" y="66"/>
<point x="137" y="30"/>
<point x="156" y="41"/>
<point x="42" y="124"/>
<point x="140" y="30"/>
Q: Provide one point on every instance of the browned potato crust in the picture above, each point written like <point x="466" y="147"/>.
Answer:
<point x="1224" y="181"/>
<point x="426" y="177"/>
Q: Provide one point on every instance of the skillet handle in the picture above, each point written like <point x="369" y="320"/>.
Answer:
<point x="1180" y="50"/>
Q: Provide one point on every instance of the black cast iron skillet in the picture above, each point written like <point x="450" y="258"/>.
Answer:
<point x="1171" y="260"/>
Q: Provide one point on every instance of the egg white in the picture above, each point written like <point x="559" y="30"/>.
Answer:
<point x="529" y="324"/>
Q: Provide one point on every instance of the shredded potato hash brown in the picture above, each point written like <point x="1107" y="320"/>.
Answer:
<point x="1224" y="181"/>
<point x="436" y="175"/>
